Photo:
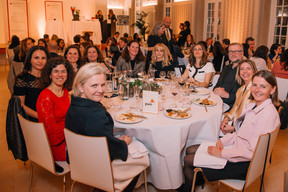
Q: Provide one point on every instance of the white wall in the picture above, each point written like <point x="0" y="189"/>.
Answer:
<point x="36" y="15"/>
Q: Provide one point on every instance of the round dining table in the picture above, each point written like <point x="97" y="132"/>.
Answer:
<point x="167" y="138"/>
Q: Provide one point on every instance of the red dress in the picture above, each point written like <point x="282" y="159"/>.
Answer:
<point x="52" y="111"/>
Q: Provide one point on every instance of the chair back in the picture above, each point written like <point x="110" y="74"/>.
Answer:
<point x="257" y="163"/>
<point x="282" y="88"/>
<point x="260" y="157"/>
<point x="286" y="181"/>
<point x="214" y="81"/>
<point x="89" y="160"/>
<point x="37" y="144"/>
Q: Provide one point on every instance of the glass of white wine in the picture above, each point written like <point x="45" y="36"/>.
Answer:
<point x="162" y="75"/>
<point x="109" y="92"/>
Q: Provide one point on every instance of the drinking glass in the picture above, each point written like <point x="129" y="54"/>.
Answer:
<point x="109" y="91"/>
<point x="171" y="75"/>
<point x="141" y="74"/>
<point x="162" y="75"/>
<point x="174" y="91"/>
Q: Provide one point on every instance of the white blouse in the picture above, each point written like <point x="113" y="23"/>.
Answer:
<point x="199" y="73"/>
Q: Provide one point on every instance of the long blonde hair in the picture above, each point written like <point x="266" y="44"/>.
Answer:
<point x="166" y="56"/>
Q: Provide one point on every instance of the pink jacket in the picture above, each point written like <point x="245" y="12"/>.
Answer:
<point x="260" y="120"/>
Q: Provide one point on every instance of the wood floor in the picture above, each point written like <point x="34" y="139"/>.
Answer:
<point x="14" y="175"/>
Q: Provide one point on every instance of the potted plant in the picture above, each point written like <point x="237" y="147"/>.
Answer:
<point x="141" y="23"/>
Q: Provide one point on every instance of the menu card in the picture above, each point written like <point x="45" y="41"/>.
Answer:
<point x="150" y="102"/>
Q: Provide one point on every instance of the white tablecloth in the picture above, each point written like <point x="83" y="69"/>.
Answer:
<point x="56" y="27"/>
<point x="77" y="27"/>
<point x="167" y="139"/>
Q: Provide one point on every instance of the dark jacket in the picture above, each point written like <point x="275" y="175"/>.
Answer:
<point x="87" y="117"/>
<point x="235" y="86"/>
<point x="14" y="135"/>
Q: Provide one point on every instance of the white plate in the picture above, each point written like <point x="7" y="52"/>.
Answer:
<point x="118" y="118"/>
<point x="201" y="91"/>
<point x="199" y="102"/>
<point x="175" y="117"/>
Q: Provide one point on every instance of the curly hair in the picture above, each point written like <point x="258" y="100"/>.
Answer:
<point x="166" y="54"/>
<point x="192" y="58"/>
<point x="27" y="63"/>
<point x="79" y="61"/>
<point x="139" y="57"/>
<point x="99" y="57"/>
<point x="45" y="80"/>
<point x="284" y="60"/>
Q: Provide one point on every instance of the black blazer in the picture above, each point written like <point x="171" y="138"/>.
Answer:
<point x="235" y="86"/>
<point x="87" y="117"/>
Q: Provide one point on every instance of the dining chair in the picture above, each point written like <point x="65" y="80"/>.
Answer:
<point x="282" y="88"/>
<point x="39" y="150"/>
<point x="285" y="181"/>
<point x="257" y="165"/>
<point x="86" y="166"/>
<point x="214" y="81"/>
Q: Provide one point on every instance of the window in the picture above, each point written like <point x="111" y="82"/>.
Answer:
<point x="280" y="28"/>
<point x="167" y="11"/>
<point x="212" y="18"/>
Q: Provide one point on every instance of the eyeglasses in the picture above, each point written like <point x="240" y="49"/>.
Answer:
<point x="235" y="52"/>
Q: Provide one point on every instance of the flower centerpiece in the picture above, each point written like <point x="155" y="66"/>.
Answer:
<point x="75" y="13"/>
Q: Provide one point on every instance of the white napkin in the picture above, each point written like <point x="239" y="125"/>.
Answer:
<point x="137" y="149"/>
<point x="203" y="159"/>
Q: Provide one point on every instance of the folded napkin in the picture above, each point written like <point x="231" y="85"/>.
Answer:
<point x="203" y="159"/>
<point x="136" y="149"/>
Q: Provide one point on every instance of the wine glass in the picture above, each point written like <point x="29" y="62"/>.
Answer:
<point x="109" y="91"/>
<point x="141" y="74"/>
<point x="171" y="75"/>
<point x="174" y="91"/>
<point x="181" y="81"/>
<point x="162" y="75"/>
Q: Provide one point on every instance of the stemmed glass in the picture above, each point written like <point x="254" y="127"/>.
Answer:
<point x="162" y="75"/>
<point x="109" y="91"/>
<point x="171" y="75"/>
<point x="174" y="91"/>
<point x="141" y="74"/>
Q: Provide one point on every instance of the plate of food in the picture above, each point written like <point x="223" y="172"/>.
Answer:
<point x="200" y="91"/>
<point x="207" y="102"/>
<point x="129" y="117"/>
<point x="177" y="113"/>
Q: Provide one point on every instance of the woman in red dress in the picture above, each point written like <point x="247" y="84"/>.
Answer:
<point x="53" y="102"/>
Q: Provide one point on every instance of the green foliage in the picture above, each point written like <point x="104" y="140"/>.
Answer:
<point x="141" y="23"/>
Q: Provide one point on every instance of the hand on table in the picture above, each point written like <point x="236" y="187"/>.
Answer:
<point x="126" y="138"/>
<point x="219" y="144"/>
<point x="221" y="92"/>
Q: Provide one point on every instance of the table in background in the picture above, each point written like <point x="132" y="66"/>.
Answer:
<point x="77" y="27"/>
<point x="57" y="28"/>
<point x="167" y="139"/>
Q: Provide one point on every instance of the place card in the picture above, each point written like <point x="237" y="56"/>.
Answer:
<point x="150" y="102"/>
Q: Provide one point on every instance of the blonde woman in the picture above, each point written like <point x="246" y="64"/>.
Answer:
<point x="161" y="58"/>
<point x="199" y="71"/>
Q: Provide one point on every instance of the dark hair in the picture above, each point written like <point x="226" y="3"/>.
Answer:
<point x="125" y="35"/>
<point x="79" y="61"/>
<point x="117" y="33"/>
<point x="43" y="41"/>
<point x="99" y="57"/>
<point x="87" y="34"/>
<point x="23" y="47"/>
<point x="114" y="48"/>
<point x="192" y="59"/>
<point x="284" y="60"/>
<point x="274" y="47"/>
<point x="262" y="52"/>
<point x="218" y="49"/>
<point x="58" y="43"/>
<point x="27" y="63"/>
<point x="124" y="39"/>
<point x="108" y="39"/>
<point x="14" y="42"/>
<point x="204" y="44"/>
<point x="135" y="36"/>
<point x="45" y="36"/>
<point x="45" y="80"/>
<point x="249" y="39"/>
<point x="245" y="49"/>
<point x="226" y="41"/>
<point x="33" y="40"/>
<point x="84" y="37"/>
<point x="187" y="24"/>
<point x="192" y="39"/>
<point x="139" y="57"/>
<point x="270" y="78"/>
<point x="76" y="38"/>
